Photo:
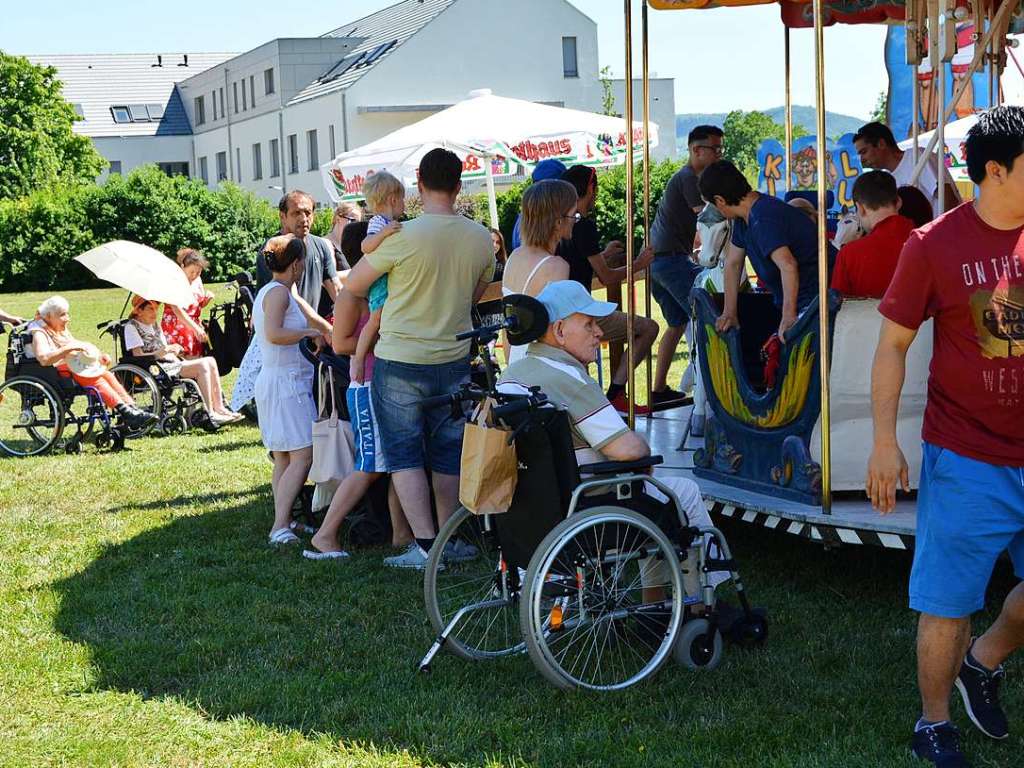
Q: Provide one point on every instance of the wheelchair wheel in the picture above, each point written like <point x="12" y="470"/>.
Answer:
<point x="31" y="417"/>
<point x="699" y="645"/>
<point x="141" y="385"/>
<point x="602" y="601"/>
<point x="449" y="585"/>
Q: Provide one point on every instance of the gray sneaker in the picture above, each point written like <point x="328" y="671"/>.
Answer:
<point x="413" y="557"/>
<point x="459" y="551"/>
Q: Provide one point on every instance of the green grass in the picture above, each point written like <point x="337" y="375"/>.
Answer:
<point x="144" y="622"/>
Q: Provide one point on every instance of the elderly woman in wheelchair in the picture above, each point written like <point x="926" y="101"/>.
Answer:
<point x="605" y="592"/>
<point x="143" y="338"/>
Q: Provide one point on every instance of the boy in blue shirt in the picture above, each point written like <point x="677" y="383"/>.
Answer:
<point x="780" y="241"/>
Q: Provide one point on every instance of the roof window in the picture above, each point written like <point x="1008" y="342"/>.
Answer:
<point x="121" y="114"/>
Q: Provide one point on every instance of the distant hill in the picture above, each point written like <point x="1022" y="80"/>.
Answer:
<point x="835" y="124"/>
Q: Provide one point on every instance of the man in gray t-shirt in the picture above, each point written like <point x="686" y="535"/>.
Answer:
<point x="672" y="236"/>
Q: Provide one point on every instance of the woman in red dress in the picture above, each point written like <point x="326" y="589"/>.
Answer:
<point x="181" y="325"/>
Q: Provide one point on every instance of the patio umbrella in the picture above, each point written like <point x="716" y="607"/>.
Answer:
<point x="493" y="136"/>
<point x="140" y="269"/>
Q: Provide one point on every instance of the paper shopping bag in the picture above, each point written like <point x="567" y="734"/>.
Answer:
<point x="487" y="480"/>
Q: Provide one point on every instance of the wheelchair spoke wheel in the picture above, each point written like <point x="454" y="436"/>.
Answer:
<point x="603" y="600"/>
<point x="31" y="417"/>
<point x="466" y="570"/>
<point x="141" y="385"/>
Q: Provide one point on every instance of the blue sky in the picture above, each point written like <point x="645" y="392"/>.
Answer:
<point x="721" y="59"/>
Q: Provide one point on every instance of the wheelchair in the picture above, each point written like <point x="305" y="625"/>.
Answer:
<point x="598" y="581"/>
<point x="176" y="401"/>
<point x="39" y="408"/>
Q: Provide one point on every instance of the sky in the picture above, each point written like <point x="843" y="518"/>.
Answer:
<point x="722" y="59"/>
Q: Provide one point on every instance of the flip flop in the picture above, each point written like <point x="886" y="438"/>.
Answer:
<point x="316" y="554"/>
<point x="283" y="536"/>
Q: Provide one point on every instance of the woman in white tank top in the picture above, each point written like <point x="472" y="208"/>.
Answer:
<point x="549" y="213"/>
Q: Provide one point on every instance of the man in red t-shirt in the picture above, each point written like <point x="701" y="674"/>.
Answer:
<point x="865" y="266"/>
<point x="966" y="271"/>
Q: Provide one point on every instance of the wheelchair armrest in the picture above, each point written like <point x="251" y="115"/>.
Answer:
<point x="620" y="467"/>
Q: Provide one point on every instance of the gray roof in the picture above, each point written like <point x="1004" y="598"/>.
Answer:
<point x="98" y="81"/>
<point x="382" y="32"/>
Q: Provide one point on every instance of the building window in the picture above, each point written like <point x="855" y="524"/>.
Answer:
<point x="156" y="111"/>
<point x="79" y="111"/>
<point x="213" y="101"/>
<point x="222" y="166"/>
<point x="257" y="162"/>
<point x="268" y="81"/>
<point x="121" y="114"/>
<point x="245" y="98"/>
<point x="204" y="170"/>
<point x="569" y="65"/>
<point x="252" y="90"/>
<point x="234" y="88"/>
<point x="115" y="167"/>
<point x="223" y="109"/>
<point x="200" y="108"/>
<point x="275" y="158"/>
<point x="293" y="154"/>
<point x="238" y="164"/>
<point x="330" y="137"/>
<point x="174" y="169"/>
<point x="314" y="151"/>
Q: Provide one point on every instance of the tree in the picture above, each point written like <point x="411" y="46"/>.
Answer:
<point x="37" y="146"/>
<point x="880" y="113"/>
<point x="744" y="132"/>
<point x="607" y="97"/>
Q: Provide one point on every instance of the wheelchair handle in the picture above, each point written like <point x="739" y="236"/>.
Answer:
<point x="523" y="403"/>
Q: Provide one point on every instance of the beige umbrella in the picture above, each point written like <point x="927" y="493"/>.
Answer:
<point x="139" y="269"/>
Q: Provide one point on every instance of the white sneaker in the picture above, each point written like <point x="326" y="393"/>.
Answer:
<point x="413" y="557"/>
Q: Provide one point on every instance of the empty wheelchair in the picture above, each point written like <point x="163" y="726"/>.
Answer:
<point x="588" y="572"/>
<point x="42" y="411"/>
<point x="175" y="400"/>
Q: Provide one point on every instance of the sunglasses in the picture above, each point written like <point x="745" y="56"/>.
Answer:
<point x="574" y="217"/>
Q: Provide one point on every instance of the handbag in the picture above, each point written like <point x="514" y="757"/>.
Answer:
<point x="333" y="449"/>
<point x="489" y="468"/>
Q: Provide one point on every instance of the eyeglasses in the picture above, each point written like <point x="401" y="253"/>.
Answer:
<point x="350" y="218"/>
<point x="573" y="218"/>
<point x="719" y="149"/>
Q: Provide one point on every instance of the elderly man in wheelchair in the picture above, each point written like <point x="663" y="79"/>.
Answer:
<point x="609" y="569"/>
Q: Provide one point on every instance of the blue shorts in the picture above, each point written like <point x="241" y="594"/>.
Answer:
<point x="419" y="437"/>
<point x="968" y="512"/>
<point x="672" y="277"/>
<point x="365" y="431"/>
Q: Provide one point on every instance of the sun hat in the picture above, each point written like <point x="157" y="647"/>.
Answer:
<point x="86" y="364"/>
<point x="562" y="298"/>
<point x="548" y="169"/>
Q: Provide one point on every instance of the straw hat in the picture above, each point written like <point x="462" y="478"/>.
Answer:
<point x="86" y="364"/>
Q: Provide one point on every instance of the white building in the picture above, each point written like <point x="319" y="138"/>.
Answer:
<point x="266" y="119"/>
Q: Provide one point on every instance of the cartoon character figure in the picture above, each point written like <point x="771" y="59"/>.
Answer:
<point x="805" y="168"/>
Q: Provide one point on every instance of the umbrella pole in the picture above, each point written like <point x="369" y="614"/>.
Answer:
<point x="492" y="199"/>
<point x="630" y="309"/>
<point x="823" y="331"/>
<point x="645" y="74"/>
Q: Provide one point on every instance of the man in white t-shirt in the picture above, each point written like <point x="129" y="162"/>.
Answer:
<point x="878" y="150"/>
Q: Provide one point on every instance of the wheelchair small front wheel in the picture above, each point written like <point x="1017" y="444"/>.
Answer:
<point x="602" y="601"/>
<point x="466" y="572"/>
<point x="699" y="645"/>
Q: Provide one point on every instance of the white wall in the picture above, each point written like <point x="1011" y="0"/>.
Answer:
<point x="133" y="151"/>
<point x="663" y="111"/>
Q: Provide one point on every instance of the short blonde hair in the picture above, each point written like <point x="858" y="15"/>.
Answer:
<point x="381" y="187"/>
<point x="544" y="203"/>
<point x="346" y="208"/>
<point x="53" y="306"/>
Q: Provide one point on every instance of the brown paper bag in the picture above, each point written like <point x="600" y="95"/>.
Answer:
<point x="487" y="480"/>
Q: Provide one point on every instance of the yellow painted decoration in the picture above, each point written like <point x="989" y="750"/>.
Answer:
<point x="787" y="406"/>
<point x="680" y="5"/>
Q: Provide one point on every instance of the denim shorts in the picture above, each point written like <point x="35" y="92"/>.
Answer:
<point x="968" y="512"/>
<point x="415" y="437"/>
<point x="672" y="277"/>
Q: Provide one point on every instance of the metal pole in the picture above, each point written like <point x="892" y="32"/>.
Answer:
<point x="492" y="200"/>
<point x="938" y="52"/>
<point x="823" y="330"/>
<point x="789" y="114"/>
<point x="645" y="74"/>
<point x="915" y="97"/>
<point x="630" y="308"/>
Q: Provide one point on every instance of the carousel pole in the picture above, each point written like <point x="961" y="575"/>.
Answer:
<point x="939" y="53"/>
<point x="646" y="80"/>
<point x="823" y="330"/>
<point x="912" y="34"/>
<point x="630" y="299"/>
<point x="789" y="112"/>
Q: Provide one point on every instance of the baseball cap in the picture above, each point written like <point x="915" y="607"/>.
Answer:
<point x="548" y="169"/>
<point x="567" y="297"/>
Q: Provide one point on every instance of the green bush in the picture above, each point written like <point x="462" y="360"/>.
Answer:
<point x="42" y="233"/>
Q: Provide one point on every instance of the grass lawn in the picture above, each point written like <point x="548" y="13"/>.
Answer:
<point x="144" y="621"/>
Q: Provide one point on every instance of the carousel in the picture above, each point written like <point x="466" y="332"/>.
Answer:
<point x="787" y="449"/>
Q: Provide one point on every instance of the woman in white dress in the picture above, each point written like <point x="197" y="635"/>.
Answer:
<point x="284" y="387"/>
<point x="549" y="213"/>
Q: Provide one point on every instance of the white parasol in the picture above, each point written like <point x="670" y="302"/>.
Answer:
<point x="140" y="269"/>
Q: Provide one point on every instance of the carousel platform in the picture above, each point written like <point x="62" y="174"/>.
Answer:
<point x="852" y="520"/>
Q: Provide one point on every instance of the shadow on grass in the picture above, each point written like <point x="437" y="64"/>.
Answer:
<point x="198" y="501"/>
<point x="237" y="445"/>
<point x="202" y="611"/>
